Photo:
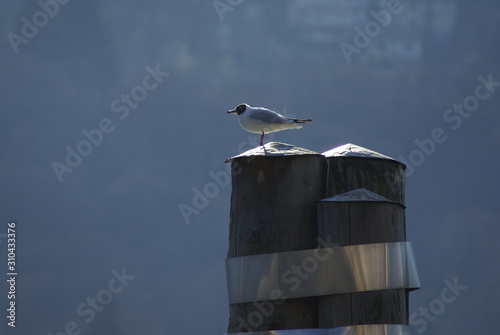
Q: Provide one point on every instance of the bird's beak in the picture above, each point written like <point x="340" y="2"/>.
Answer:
<point x="233" y="111"/>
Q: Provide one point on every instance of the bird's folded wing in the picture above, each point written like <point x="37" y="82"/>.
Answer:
<point x="268" y="116"/>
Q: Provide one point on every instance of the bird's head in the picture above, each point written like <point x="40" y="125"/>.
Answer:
<point x="240" y="109"/>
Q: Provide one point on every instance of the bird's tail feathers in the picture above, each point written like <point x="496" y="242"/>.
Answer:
<point x="299" y="120"/>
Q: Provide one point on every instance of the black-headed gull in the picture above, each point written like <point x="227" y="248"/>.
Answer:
<point x="262" y="121"/>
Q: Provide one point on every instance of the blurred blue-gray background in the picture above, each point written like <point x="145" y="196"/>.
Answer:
<point x="114" y="122"/>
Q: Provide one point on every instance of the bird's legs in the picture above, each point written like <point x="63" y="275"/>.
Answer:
<point x="262" y="142"/>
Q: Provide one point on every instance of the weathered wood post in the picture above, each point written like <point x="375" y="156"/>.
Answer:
<point x="273" y="210"/>
<point x="365" y="205"/>
<point x="284" y="202"/>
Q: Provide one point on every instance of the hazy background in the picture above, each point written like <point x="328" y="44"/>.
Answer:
<point x="119" y="208"/>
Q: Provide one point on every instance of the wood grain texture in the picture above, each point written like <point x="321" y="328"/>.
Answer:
<point x="273" y="210"/>
<point x="363" y="222"/>
<point x="381" y="176"/>
<point x="276" y="207"/>
<point x="348" y="223"/>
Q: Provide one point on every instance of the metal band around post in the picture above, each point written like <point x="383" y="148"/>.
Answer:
<point x="323" y="271"/>
<point x="349" y="330"/>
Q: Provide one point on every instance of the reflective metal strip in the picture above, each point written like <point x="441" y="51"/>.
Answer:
<point x="314" y="272"/>
<point x="350" y="330"/>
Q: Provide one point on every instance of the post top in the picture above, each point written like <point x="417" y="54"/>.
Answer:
<point x="360" y="194"/>
<point x="274" y="149"/>
<point x="353" y="150"/>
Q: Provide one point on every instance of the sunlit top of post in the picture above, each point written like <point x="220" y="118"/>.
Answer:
<point x="274" y="149"/>
<point x="353" y="150"/>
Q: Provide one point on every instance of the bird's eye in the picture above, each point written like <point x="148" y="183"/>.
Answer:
<point x="240" y="108"/>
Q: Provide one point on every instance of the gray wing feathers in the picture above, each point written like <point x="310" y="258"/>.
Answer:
<point x="269" y="116"/>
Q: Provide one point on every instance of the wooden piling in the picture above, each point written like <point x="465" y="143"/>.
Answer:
<point x="273" y="210"/>
<point x="366" y="205"/>
<point x="287" y="199"/>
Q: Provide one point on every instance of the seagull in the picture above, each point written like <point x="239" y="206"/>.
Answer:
<point x="262" y="121"/>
